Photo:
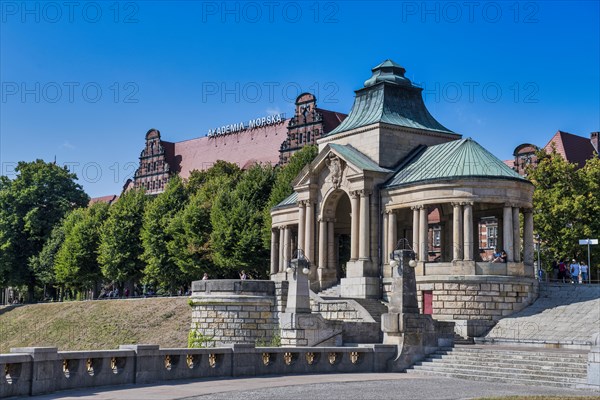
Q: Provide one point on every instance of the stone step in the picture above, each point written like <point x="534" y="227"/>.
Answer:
<point x="512" y="380"/>
<point x="513" y="366"/>
<point x="512" y="357"/>
<point x="473" y="370"/>
<point x="530" y="366"/>
<point x="491" y="349"/>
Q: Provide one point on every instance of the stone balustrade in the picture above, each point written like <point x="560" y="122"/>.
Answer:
<point x="38" y="370"/>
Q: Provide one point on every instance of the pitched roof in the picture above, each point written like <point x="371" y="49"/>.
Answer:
<point x="103" y="199"/>
<point x="389" y="97"/>
<point x="331" y="119"/>
<point x="573" y="148"/>
<point x="355" y="157"/>
<point x="288" y="201"/>
<point x="456" y="159"/>
<point x="245" y="148"/>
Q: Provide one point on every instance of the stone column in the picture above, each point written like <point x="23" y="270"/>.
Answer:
<point x="415" y="241"/>
<point x="281" y="249"/>
<point x="309" y="241"/>
<point x="468" y="231"/>
<point x="392" y="235"/>
<point x="507" y="233"/>
<point x="287" y="244"/>
<point x="457" y="232"/>
<point x="385" y="238"/>
<point x="365" y="227"/>
<point x="516" y="234"/>
<point x="355" y="227"/>
<point x="330" y="245"/>
<point x="322" y="243"/>
<point x="301" y="223"/>
<point x="528" y="249"/>
<point x="274" y="251"/>
<point x="423" y="231"/>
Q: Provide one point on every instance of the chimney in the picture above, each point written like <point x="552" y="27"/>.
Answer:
<point x="594" y="139"/>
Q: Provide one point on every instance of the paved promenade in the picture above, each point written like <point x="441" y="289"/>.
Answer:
<point x="563" y="313"/>
<point x="331" y="387"/>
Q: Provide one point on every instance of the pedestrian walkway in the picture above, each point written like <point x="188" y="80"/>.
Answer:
<point x="564" y="314"/>
<point x="332" y="386"/>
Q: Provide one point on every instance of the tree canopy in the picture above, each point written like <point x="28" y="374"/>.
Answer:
<point x="30" y="207"/>
<point x="566" y="205"/>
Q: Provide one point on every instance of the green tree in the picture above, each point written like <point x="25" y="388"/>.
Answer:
<point x="120" y="247"/>
<point x="282" y="187"/>
<point x="30" y="206"/>
<point x="565" y="204"/>
<point x="76" y="262"/>
<point x="161" y="268"/>
<point x="191" y="228"/>
<point x="237" y="221"/>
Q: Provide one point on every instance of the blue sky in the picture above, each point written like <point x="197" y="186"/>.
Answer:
<point x="83" y="81"/>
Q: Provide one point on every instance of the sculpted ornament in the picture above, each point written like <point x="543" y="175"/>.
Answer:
<point x="336" y="168"/>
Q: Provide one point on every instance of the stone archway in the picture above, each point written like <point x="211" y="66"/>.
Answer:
<point x="335" y="223"/>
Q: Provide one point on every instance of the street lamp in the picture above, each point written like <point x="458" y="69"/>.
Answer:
<point x="300" y="261"/>
<point x="402" y="252"/>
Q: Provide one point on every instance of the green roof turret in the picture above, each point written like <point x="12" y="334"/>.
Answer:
<point x="388" y="71"/>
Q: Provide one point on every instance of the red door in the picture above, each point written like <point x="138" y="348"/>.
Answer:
<point x="427" y="302"/>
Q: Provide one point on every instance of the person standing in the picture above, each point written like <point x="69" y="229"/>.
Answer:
<point x="574" y="268"/>
<point x="205" y="277"/>
<point x="585" y="270"/>
<point x="562" y="271"/>
<point x="243" y="275"/>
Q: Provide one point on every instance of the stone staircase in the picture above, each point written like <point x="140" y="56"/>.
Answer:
<point x="515" y="365"/>
<point x="374" y="307"/>
<point x="333" y="291"/>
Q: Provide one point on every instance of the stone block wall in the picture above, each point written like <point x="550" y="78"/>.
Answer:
<point x="235" y="311"/>
<point x="476" y="303"/>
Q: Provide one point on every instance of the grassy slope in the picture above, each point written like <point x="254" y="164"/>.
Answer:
<point x="97" y="324"/>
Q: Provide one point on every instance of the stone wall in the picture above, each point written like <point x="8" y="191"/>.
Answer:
<point x="236" y="311"/>
<point x="33" y="371"/>
<point x="475" y="303"/>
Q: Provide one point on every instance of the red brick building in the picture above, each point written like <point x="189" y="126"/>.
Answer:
<point x="573" y="148"/>
<point x="271" y="139"/>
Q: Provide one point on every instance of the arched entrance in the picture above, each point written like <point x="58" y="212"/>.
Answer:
<point x="335" y="223"/>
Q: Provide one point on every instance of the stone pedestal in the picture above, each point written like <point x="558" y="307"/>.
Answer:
<point x="298" y="326"/>
<point x="416" y="335"/>
<point x="362" y="288"/>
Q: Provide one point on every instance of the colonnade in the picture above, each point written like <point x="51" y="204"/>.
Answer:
<point x="463" y="238"/>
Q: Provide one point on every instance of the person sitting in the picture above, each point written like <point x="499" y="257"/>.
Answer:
<point x="501" y="258"/>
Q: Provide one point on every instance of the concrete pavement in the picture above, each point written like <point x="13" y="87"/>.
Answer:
<point x="331" y="387"/>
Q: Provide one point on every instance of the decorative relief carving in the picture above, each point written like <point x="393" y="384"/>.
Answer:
<point x="354" y="357"/>
<point x="332" y="357"/>
<point x="336" y="169"/>
<point x="212" y="360"/>
<point x="266" y="358"/>
<point x="288" y="358"/>
<point x="310" y="358"/>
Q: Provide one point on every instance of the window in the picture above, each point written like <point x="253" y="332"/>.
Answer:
<point x="300" y="137"/>
<point x="492" y="235"/>
<point x="437" y="236"/>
